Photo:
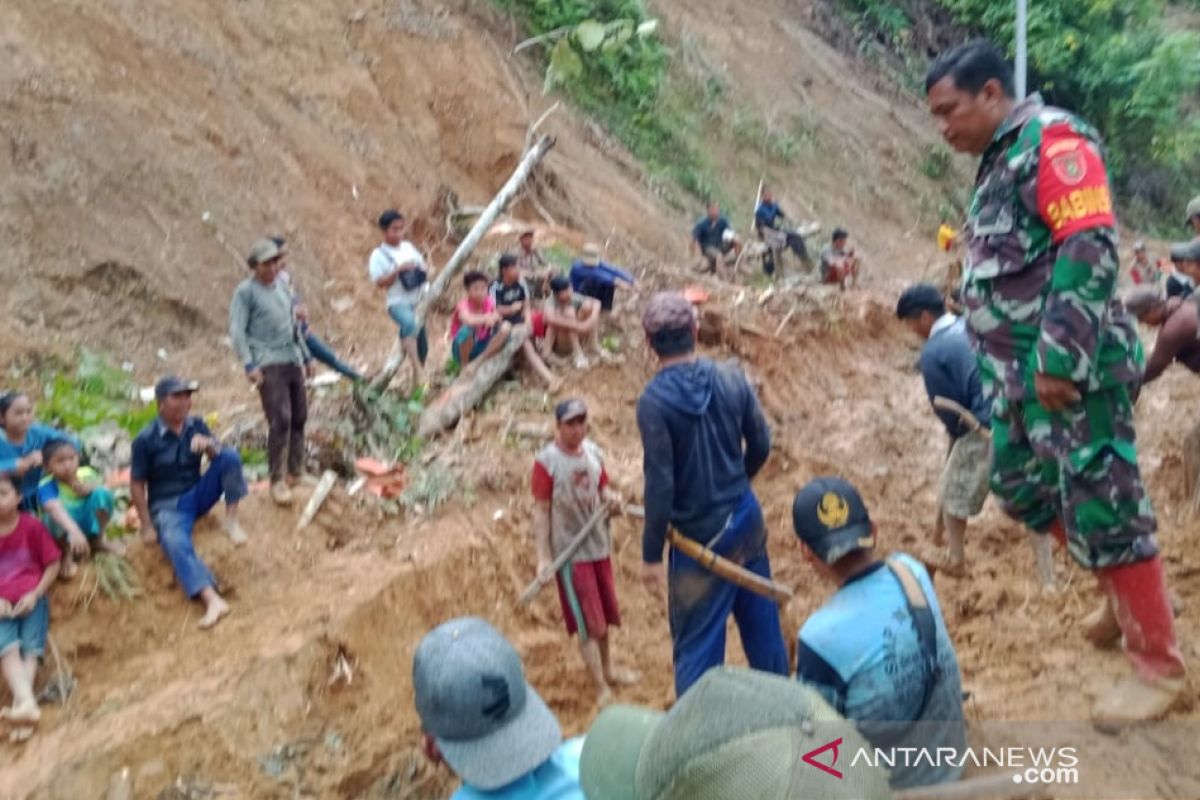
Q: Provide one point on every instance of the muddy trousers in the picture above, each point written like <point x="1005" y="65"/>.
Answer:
<point x="700" y="603"/>
<point x="286" y="406"/>
<point x="175" y="518"/>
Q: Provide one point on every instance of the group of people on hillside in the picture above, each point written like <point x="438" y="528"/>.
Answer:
<point x="716" y="242"/>
<point x="1040" y="374"/>
<point x="567" y="326"/>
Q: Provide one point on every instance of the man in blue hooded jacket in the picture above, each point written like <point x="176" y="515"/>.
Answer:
<point x="694" y="417"/>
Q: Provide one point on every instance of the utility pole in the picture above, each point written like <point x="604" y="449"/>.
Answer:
<point x="1022" y="53"/>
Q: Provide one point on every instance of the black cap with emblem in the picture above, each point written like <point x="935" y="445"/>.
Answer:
<point x="831" y="519"/>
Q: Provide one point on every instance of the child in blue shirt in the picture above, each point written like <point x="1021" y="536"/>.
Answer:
<point x="75" y="506"/>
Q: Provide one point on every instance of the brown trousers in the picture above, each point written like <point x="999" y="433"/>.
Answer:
<point x="285" y="404"/>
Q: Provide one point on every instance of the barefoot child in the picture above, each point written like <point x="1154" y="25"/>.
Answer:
<point x="476" y="328"/>
<point x="28" y="567"/>
<point x="75" y="506"/>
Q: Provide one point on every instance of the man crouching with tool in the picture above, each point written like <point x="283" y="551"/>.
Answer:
<point x="694" y="417"/>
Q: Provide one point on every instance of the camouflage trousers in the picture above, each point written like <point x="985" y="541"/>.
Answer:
<point x="1078" y="465"/>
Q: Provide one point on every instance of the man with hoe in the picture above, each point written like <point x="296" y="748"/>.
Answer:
<point x="1058" y="354"/>
<point x="570" y="485"/>
<point x="704" y="438"/>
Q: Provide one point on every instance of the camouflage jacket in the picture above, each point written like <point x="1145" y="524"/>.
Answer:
<point x="1042" y="263"/>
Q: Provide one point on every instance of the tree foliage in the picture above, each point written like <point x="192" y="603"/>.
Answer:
<point x="1119" y="63"/>
<point x="604" y="55"/>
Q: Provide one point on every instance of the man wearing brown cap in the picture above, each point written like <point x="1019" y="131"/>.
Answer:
<point x="266" y="337"/>
<point x="704" y="438"/>
<point x="533" y="265"/>
<point x="570" y="485"/>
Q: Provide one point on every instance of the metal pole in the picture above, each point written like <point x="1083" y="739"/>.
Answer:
<point x="1022" y="54"/>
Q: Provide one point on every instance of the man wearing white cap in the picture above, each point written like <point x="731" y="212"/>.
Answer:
<point x="483" y="719"/>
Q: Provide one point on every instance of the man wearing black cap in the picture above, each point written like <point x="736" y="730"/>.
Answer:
<point x="949" y="369"/>
<point x="570" y="484"/>
<point x="703" y="439"/>
<point x="486" y="722"/>
<point x="170" y="494"/>
<point x="878" y="650"/>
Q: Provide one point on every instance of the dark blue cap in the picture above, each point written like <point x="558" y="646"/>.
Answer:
<point x="173" y="384"/>
<point x="831" y="519"/>
<point x="920" y="297"/>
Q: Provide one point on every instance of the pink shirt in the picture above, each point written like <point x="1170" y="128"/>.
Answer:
<point x="25" y="553"/>
<point x="464" y="305"/>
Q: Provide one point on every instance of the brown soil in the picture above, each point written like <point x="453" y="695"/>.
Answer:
<point x="127" y="122"/>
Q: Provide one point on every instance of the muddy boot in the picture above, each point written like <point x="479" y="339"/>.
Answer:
<point x="1101" y="627"/>
<point x="1140" y="600"/>
<point x="1043" y="558"/>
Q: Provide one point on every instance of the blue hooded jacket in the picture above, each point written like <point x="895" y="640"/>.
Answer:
<point x="693" y="418"/>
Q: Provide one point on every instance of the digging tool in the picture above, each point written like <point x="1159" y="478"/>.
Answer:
<point x="536" y="585"/>
<point x="724" y="568"/>
<point x="721" y="566"/>
<point x="969" y="419"/>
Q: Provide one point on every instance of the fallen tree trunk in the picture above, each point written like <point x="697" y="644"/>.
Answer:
<point x="466" y="392"/>
<point x="442" y="280"/>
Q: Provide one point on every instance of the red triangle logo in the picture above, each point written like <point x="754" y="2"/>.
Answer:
<point x="809" y="758"/>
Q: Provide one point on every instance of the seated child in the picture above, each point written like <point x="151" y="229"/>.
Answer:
<point x="28" y="567"/>
<point x="476" y="329"/>
<point x="75" y="506"/>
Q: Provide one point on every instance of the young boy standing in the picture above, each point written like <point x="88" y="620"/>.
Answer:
<point x="28" y="567"/>
<point x="75" y="506"/>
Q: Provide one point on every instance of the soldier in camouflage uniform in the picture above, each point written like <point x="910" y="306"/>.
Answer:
<point x="1059" y="353"/>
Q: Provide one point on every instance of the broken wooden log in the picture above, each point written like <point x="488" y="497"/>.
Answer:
<point x="444" y="276"/>
<point x="324" y="487"/>
<point x="466" y="392"/>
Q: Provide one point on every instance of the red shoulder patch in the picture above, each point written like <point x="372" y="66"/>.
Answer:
<point x="1072" y="190"/>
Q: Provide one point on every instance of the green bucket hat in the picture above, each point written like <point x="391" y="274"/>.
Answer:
<point x="737" y="734"/>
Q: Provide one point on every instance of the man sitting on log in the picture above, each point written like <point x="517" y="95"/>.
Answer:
<point x="510" y="295"/>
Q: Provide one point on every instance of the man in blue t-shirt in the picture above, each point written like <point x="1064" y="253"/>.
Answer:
<point x="482" y="718"/>
<point x="878" y="650"/>
<point x="770" y="221"/>
<point x="714" y="239"/>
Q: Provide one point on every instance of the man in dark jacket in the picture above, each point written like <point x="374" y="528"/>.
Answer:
<point x="694" y="417"/>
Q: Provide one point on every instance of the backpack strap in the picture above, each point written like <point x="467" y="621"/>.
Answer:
<point x="922" y="614"/>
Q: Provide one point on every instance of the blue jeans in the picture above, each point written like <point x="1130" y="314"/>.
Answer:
<point x="324" y="353"/>
<point x="27" y="632"/>
<point x="406" y="319"/>
<point x="175" y="518"/>
<point x="700" y="603"/>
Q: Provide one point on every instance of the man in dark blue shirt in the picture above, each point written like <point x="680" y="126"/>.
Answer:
<point x="703" y="439"/>
<point x="769" y="219"/>
<point x="713" y="237"/>
<point x="950" y="370"/>
<point x="170" y="493"/>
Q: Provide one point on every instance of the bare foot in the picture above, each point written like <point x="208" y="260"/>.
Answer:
<point x="623" y="677"/>
<point x="68" y="571"/>
<point x="216" y="609"/>
<point x="23" y="714"/>
<point x="555" y="386"/>
<point x="605" y="698"/>
<point x="952" y="568"/>
<point x="236" y="534"/>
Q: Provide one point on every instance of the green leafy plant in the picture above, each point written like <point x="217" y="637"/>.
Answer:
<point x="94" y="393"/>
<point x="936" y="161"/>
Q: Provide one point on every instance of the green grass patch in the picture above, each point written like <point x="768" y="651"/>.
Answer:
<point x="94" y="392"/>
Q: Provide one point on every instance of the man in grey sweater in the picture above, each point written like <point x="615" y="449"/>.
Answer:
<point x="266" y="337"/>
